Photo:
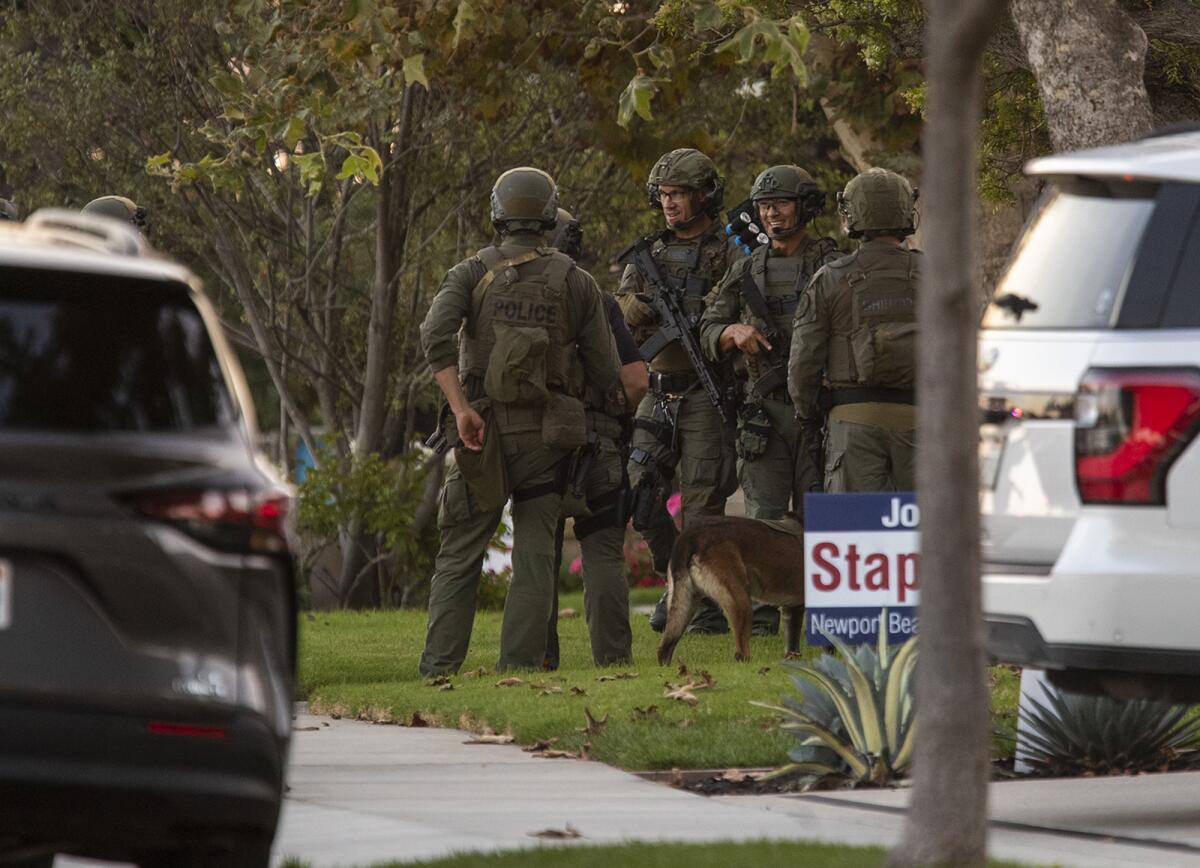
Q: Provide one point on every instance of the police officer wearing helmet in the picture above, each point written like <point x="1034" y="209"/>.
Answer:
<point x="598" y="487"/>
<point x="678" y="435"/>
<point x="856" y="333"/>
<point x="528" y="317"/>
<point x="118" y="208"/>
<point x="760" y="294"/>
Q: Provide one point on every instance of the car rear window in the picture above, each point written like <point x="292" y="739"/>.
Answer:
<point x="99" y="353"/>
<point x="1073" y="261"/>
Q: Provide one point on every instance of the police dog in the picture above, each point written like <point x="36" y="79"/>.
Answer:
<point x="733" y="560"/>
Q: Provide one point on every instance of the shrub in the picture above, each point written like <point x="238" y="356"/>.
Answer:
<point x="1072" y="734"/>
<point x="854" y="719"/>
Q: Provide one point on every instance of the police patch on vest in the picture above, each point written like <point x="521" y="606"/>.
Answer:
<point x="525" y="310"/>
<point x="873" y="307"/>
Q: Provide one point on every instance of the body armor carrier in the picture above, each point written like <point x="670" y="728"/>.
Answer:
<point x="518" y="339"/>
<point x="879" y="351"/>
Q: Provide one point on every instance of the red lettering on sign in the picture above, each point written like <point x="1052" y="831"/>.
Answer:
<point x="908" y="566"/>
<point x="877" y="578"/>
<point x="819" y="553"/>
<point x="852" y="565"/>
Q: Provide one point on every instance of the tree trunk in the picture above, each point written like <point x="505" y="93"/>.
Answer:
<point x="947" y="820"/>
<point x="1089" y="59"/>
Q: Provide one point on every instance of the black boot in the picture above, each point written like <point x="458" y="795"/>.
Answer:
<point x="708" y="619"/>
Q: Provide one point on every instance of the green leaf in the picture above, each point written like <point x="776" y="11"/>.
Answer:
<point x="462" y="20"/>
<point x="661" y="56"/>
<point x="896" y="691"/>
<point x="158" y="160"/>
<point x="352" y="166"/>
<point x="707" y="17"/>
<point x="635" y="99"/>
<point x="414" y="70"/>
<point x="312" y="171"/>
<point x="293" y="133"/>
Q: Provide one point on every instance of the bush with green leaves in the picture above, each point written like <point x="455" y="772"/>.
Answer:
<point x="854" y="718"/>
<point x="385" y="497"/>
<point x="1073" y="734"/>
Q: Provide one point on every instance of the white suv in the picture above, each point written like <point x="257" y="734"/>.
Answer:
<point x="1089" y="363"/>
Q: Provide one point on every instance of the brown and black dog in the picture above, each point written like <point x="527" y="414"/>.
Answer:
<point x="733" y="560"/>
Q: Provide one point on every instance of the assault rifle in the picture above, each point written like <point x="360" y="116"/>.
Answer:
<point x="777" y="356"/>
<point x="675" y="326"/>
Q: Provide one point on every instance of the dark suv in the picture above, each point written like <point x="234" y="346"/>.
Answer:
<point x="147" y="608"/>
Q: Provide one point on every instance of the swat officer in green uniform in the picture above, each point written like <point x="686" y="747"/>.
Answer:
<point x="752" y="315"/>
<point x="599" y="485"/>
<point x="855" y="334"/>
<point x="528" y="317"/>
<point x="677" y="430"/>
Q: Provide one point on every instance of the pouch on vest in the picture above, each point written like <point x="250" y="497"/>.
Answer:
<point x="883" y="342"/>
<point x="564" y="422"/>
<point x="484" y="471"/>
<point x="754" y="431"/>
<point x="516" y="371"/>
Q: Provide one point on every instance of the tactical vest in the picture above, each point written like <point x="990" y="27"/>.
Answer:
<point x="690" y="269"/>
<point x="876" y="345"/>
<point x="518" y="339"/>
<point x="781" y="280"/>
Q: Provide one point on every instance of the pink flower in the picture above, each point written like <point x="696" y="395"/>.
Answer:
<point x="675" y="503"/>
<point x="576" y="566"/>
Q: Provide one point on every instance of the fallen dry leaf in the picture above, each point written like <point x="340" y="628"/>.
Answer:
<point x="706" y="680"/>
<point x="592" y="724"/>
<point x="568" y="831"/>
<point x="683" y="670"/>
<point x="676" y="778"/>
<point x="477" y="672"/>
<point x="305" y="728"/>
<point x="446" y="686"/>
<point x="686" y="722"/>
<point x="793" y="655"/>
<point x="578" y="691"/>
<point x="438" y="681"/>
<point x="645" y="713"/>
<point x="764" y="670"/>
<point x="681" y="693"/>
<point x="585" y="752"/>
<point x="618" y="676"/>
<point x="555" y="754"/>
<point x="490" y="738"/>
<point x="540" y="744"/>
<point x="510" y="682"/>
<point x="550" y="691"/>
<point x="568" y="613"/>
<point x="736" y="776"/>
<point x="417" y="720"/>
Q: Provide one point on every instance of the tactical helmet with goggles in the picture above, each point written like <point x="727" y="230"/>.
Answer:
<point x="118" y="208"/>
<point x="524" y="199"/>
<point x="878" y="202"/>
<point x="687" y="167"/>
<point x="789" y="182"/>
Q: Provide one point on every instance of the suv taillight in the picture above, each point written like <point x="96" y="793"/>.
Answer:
<point x="229" y="519"/>
<point x="1130" y="425"/>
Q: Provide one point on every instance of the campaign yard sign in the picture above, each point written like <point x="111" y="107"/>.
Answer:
<point x="861" y="556"/>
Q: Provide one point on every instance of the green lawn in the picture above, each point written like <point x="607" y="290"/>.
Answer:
<point x="365" y="665"/>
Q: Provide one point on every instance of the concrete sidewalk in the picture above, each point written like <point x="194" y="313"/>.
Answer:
<point x="361" y="793"/>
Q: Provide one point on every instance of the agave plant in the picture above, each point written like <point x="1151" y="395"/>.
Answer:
<point x="1072" y="734"/>
<point x="854" y="717"/>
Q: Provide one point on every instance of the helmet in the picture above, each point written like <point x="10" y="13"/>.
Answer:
<point x="524" y="198"/>
<point x="687" y="167"/>
<point x="878" y="202"/>
<point x="118" y="208"/>
<point x="790" y="182"/>
<point x="8" y="211"/>
<point x="567" y="234"/>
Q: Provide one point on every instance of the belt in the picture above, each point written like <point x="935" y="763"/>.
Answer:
<point x="837" y="397"/>
<point x="673" y="383"/>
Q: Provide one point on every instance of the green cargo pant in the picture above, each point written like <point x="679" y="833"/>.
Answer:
<point x="772" y="483"/>
<point x="864" y="457"/>
<point x="466" y="532"/>
<point x="602" y="544"/>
